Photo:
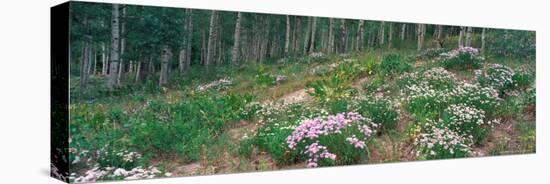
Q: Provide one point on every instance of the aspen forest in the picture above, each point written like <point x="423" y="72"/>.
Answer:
<point x="164" y="92"/>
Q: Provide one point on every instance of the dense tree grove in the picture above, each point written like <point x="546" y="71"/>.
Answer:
<point x="129" y="44"/>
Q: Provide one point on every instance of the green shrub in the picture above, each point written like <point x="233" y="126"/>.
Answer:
<point x="475" y="95"/>
<point x="467" y="120"/>
<point x="497" y="76"/>
<point x="530" y="96"/>
<point x="337" y="106"/>
<point x="381" y="111"/>
<point x="523" y="79"/>
<point x="374" y="85"/>
<point x="246" y="146"/>
<point x="423" y="100"/>
<point x="440" y="142"/>
<point x="462" y="58"/>
<point x="332" y="89"/>
<point x="392" y="65"/>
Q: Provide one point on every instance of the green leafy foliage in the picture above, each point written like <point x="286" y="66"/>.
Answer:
<point x="392" y="65"/>
<point x="462" y="58"/>
<point x="381" y="111"/>
<point x="512" y="43"/>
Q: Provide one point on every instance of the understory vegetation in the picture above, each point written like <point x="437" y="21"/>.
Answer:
<point x="328" y="107"/>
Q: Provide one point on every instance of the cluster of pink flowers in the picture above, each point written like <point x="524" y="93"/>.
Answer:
<point x="310" y="130"/>
<point x="315" y="151"/>
<point x="356" y="142"/>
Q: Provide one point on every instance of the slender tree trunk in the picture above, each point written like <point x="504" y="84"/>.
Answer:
<point x="189" y="41"/>
<point x="297" y="28"/>
<point x="469" y="37"/>
<point x="115" y="33"/>
<point x="103" y="60"/>
<point x="287" y="35"/>
<point x="138" y="70"/>
<point x="95" y="61"/>
<point x="390" y="35"/>
<point x="307" y="37"/>
<point x="421" y="33"/>
<point x="237" y="39"/>
<point x="108" y="59"/>
<point x="403" y="29"/>
<point x="210" y="55"/>
<point x="312" y="38"/>
<point x="85" y="61"/>
<point x="439" y="35"/>
<point x="183" y="54"/>
<point x="219" y="52"/>
<point x="122" y="46"/>
<point x="483" y="40"/>
<point x="203" y="48"/>
<point x="330" y="35"/>
<point x="343" y="36"/>
<point x="164" y="65"/>
<point x="181" y="61"/>
<point x="90" y="58"/>
<point x="382" y="33"/>
<point x="461" y="34"/>
<point x="84" y="67"/>
<point x="359" y="36"/>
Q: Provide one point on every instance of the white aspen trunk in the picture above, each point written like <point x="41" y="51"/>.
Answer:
<point x="312" y="38"/>
<point x="237" y="39"/>
<point x="108" y="64"/>
<point x="211" y="42"/>
<point x="483" y="40"/>
<point x="115" y="33"/>
<point x="103" y="60"/>
<point x="382" y="34"/>
<point x="181" y="61"/>
<point x="403" y="30"/>
<point x="131" y="66"/>
<point x="343" y="36"/>
<point x="307" y="37"/>
<point x="84" y="68"/>
<point x="469" y="37"/>
<point x="203" y="48"/>
<point x="189" y="41"/>
<point x="90" y="58"/>
<point x="359" y="36"/>
<point x="390" y="35"/>
<point x="439" y="34"/>
<point x="421" y="33"/>
<point x="138" y="71"/>
<point x="287" y="35"/>
<point x="461" y="34"/>
<point x="324" y="40"/>
<point x="164" y="65"/>
<point x="120" y="66"/>
<point x="122" y="46"/>
<point x="330" y="35"/>
<point x="95" y="62"/>
<point x="182" y="53"/>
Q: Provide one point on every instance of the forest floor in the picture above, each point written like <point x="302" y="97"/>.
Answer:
<point x="512" y="136"/>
